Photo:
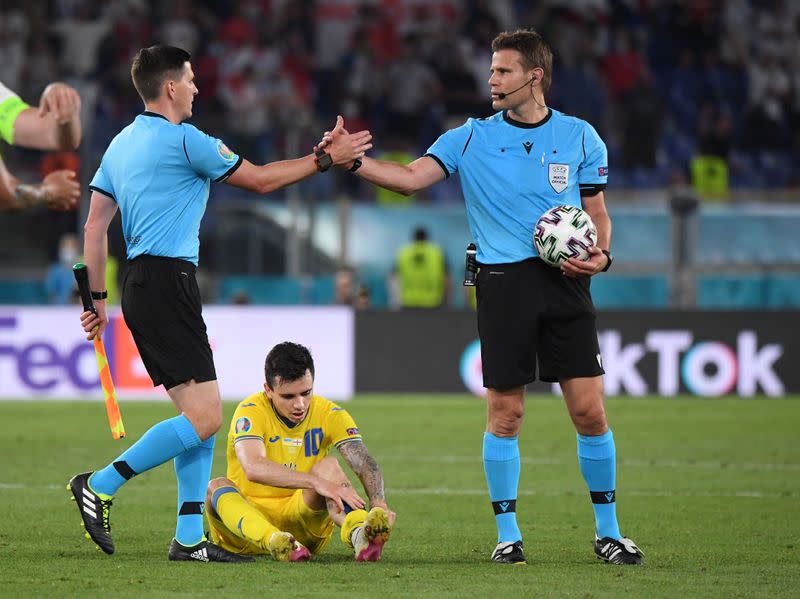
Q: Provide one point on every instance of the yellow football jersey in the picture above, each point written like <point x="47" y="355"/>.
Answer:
<point x="299" y="447"/>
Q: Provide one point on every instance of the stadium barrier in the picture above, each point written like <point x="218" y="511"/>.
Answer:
<point x="43" y="353"/>
<point x="643" y="352"/>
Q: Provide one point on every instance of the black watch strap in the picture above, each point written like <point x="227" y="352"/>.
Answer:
<point x="356" y="165"/>
<point x="610" y="260"/>
<point x="99" y="295"/>
<point x="324" y="160"/>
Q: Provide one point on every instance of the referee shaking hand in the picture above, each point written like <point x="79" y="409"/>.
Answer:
<point x="513" y="166"/>
<point x="157" y="172"/>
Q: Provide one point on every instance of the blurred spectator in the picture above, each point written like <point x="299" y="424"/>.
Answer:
<point x="641" y="114"/>
<point x="411" y="91"/>
<point x="709" y="169"/>
<point x="343" y="287"/>
<point x="363" y="297"/>
<point x="81" y="37"/>
<point x="421" y="277"/>
<point x="60" y="281"/>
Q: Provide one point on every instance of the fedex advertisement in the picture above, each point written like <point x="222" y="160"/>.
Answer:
<point x="44" y="351"/>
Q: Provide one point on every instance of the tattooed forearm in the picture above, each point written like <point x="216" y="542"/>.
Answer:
<point x="366" y="468"/>
<point x="28" y="195"/>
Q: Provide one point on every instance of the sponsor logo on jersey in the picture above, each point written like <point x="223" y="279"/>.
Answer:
<point x="275" y="438"/>
<point x="242" y="425"/>
<point x="247" y="405"/>
<point x="527" y="145"/>
<point x="602" y="171"/>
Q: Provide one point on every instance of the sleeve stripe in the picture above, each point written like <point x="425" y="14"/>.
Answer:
<point x="237" y="439"/>
<point x="103" y="191"/>
<point x="590" y="189"/>
<point x="230" y="171"/>
<point x="349" y="440"/>
<point x="440" y="163"/>
<point x="469" y="139"/>
<point x="184" y="149"/>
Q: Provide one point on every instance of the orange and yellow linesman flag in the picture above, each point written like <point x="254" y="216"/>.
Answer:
<point x="109" y="394"/>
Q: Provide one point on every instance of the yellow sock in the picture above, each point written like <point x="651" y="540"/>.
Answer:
<point x="352" y="520"/>
<point x="244" y="520"/>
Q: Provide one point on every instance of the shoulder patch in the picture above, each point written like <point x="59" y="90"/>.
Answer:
<point x="224" y="151"/>
<point x="242" y="425"/>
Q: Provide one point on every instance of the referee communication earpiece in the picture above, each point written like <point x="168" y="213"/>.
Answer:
<point x="504" y="96"/>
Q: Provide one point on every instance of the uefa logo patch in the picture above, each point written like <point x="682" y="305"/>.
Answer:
<point x="224" y="151"/>
<point x="242" y="425"/>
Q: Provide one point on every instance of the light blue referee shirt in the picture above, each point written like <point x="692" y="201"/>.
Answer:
<point x="512" y="172"/>
<point x="160" y="174"/>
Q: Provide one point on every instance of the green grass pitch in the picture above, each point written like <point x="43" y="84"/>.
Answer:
<point x="709" y="489"/>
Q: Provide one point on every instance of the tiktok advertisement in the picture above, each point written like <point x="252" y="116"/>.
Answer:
<point x="706" y="354"/>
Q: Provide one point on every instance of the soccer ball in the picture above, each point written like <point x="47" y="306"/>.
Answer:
<point x="564" y="232"/>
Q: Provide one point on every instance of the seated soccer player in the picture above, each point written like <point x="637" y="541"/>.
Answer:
<point x="283" y="493"/>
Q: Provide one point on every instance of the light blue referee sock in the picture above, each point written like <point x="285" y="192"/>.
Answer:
<point x="501" y="464"/>
<point x="160" y="443"/>
<point x="597" y="457"/>
<point x="193" y="469"/>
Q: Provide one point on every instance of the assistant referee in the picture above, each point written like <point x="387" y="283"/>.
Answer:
<point x="514" y="166"/>
<point x="157" y="172"/>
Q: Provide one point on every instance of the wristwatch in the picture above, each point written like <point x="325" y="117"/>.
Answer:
<point x="356" y="165"/>
<point x="610" y="260"/>
<point x="323" y="160"/>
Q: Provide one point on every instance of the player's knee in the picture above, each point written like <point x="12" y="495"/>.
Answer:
<point x="502" y="426"/>
<point x="214" y="484"/>
<point x="590" y="419"/>
<point x="209" y="423"/>
<point x="506" y="420"/>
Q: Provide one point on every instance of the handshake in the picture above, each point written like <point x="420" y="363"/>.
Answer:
<point x="341" y="148"/>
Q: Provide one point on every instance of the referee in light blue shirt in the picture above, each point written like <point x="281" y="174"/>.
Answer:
<point x="514" y="166"/>
<point x="157" y="172"/>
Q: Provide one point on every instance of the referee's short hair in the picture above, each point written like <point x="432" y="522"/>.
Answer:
<point x="152" y="66"/>
<point x="535" y="51"/>
<point x="289" y="361"/>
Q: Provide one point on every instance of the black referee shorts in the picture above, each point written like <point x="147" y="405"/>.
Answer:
<point x="162" y="308"/>
<point x="528" y="312"/>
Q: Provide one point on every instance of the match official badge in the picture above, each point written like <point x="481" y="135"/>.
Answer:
<point x="224" y="151"/>
<point x="242" y="425"/>
<point x="558" y="175"/>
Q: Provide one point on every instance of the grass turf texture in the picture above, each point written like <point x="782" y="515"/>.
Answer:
<point x="710" y="489"/>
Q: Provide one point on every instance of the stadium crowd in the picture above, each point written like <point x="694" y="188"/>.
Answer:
<point x="663" y="80"/>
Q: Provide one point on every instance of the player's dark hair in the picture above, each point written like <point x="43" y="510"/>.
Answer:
<point x="289" y="361"/>
<point x="154" y="65"/>
<point x="535" y="51"/>
<point x="420" y="234"/>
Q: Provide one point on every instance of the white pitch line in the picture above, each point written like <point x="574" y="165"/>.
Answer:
<point x="479" y="492"/>
<point x="705" y="464"/>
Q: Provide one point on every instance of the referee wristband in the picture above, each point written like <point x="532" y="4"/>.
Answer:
<point x="610" y="260"/>
<point x="356" y="165"/>
<point x="99" y="295"/>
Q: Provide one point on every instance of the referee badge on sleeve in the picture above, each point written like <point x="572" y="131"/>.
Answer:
<point x="224" y="151"/>
<point x="558" y="175"/>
